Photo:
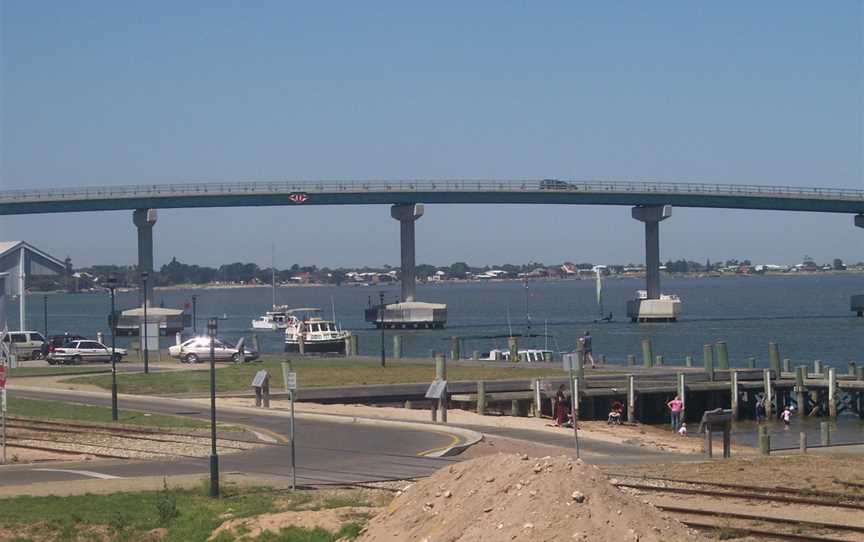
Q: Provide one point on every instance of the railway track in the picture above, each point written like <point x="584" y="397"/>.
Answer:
<point x="762" y="525"/>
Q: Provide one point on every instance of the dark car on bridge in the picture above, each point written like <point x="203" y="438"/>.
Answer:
<point x="554" y="184"/>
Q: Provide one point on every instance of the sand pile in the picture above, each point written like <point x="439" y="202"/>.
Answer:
<point x="512" y="497"/>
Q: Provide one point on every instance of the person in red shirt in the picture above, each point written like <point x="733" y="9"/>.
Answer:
<point x="676" y="407"/>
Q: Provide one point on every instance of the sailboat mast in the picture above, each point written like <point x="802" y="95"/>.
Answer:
<point x="273" y="271"/>
<point x="600" y="293"/>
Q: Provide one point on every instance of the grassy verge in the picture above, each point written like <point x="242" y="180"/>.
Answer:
<point x="310" y="373"/>
<point x="56" y="371"/>
<point x="56" y="410"/>
<point x="170" y="515"/>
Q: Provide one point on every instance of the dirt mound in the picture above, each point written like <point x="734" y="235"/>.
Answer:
<point x="512" y="497"/>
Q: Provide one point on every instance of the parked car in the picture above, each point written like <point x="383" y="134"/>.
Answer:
<point x="77" y="352"/>
<point x="56" y="341"/>
<point x="26" y="344"/>
<point x="197" y="349"/>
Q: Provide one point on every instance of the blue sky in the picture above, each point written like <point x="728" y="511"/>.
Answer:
<point x="99" y="93"/>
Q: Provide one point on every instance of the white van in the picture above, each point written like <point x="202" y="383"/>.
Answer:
<point x="25" y="344"/>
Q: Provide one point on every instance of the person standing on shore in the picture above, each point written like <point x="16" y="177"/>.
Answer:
<point x="586" y="349"/>
<point x="676" y="406"/>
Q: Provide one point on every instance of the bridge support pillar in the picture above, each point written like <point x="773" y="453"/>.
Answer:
<point x="652" y="307"/>
<point x="144" y="219"/>
<point x="407" y="214"/>
<point x="857" y="301"/>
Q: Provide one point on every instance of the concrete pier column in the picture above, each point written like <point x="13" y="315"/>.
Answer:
<point x="708" y="356"/>
<point x="406" y="214"/>
<point x="722" y="355"/>
<point x="652" y="216"/>
<point x="144" y="219"/>
<point x="800" y="395"/>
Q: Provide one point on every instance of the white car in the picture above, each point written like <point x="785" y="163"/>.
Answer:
<point x="197" y="349"/>
<point x="77" y="352"/>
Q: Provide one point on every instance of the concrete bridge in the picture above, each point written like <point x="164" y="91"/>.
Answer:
<point x="652" y="203"/>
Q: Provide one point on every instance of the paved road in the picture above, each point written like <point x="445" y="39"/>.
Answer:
<point x="327" y="452"/>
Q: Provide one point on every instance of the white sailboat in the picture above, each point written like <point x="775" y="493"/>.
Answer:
<point x="603" y="318"/>
<point x="277" y="317"/>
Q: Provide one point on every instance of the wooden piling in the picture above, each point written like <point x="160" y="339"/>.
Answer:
<point x="817" y="366"/>
<point x="774" y="358"/>
<point x="708" y="356"/>
<point x="751" y="363"/>
<point x="787" y="365"/>
<point x="631" y="398"/>
<point x="348" y="345"/>
<point x="355" y="349"/>
<point x="659" y="361"/>
<point x="852" y="366"/>
<point x="825" y="433"/>
<point x="475" y="355"/>
<point x="516" y="408"/>
<point x="800" y="395"/>
<point x="647" y="354"/>
<point x="688" y="361"/>
<point x="765" y="444"/>
<point x="722" y="355"/>
<point x="602" y="359"/>
<point x="631" y="360"/>
<point x="397" y="346"/>
<point x="481" y="397"/>
<point x="734" y="394"/>
<point x="455" y="348"/>
<point x="682" y="391"/>
<point x="538" y="406"/>
<point x="832" y="393"/>
<point x="769" y="399"/>
<point x="256" y="345"/>
<point x="408" y="405"/>
<point x="286" y="368"/>
<point x="513" y="346"/>
<point x="802" y="442"/>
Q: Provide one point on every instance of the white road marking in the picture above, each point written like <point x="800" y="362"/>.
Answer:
<point x="89" y="473"/>
<point x="265" y="438"/>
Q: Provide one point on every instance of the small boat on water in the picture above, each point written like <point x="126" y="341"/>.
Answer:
<point x="307" y="332"/>
<point x="528" y="355"/>
<point x="273" y="320"/>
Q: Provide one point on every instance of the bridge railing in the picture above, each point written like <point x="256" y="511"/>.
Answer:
<point x="378" y="186"/>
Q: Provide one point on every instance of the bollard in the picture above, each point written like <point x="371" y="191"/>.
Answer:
<point x="800" y="395"/>
<point x="722" y="355"/>
<point x="688" y="361"/>
<point x="734" y="394"/>
<point x="178" y="338"/>
<point x="802" y="442"/>
<point x="602" y="359"/>
<point x="708" y="355"/>
<point x="355" y="346"/>
<point x="764" y="444"/>
<point x="659" y="361"/>
<point x="787" y="365"/>
<point x="475" y="355"/>
<point x="631" y="360"/>
<point x="535" y="387"/>
<point x="455" y="348"/>
<point x="751" y="363"/>
<point x="832" y="393"/>
<point x="408" y="405"/>
<point x="825" y="433"/>
<point x="513" y="346"/>
<point x="397" y="346"/>
<point x="647" y="354"/>
<point x="774" y="358"/>
<point x="817" y="366"/>
<point x="481" y="397"/>
<point x="348" y="353"/>
<point x="860" y="375"/>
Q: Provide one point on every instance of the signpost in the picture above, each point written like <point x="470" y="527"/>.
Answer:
<point x="3" y="409"/>
<point x="291" y="386"/>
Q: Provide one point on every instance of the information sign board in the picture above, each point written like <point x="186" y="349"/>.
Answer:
<point x="259" y="379"/>
<point x="291" y="381"/>
<point x="437" y="389"/>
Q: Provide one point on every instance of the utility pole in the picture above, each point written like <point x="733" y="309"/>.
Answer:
<point x="144" y="344"/>
<point x="381" y="321"/>
<point x="214" y="458"/>
<point x="112" y="321"/>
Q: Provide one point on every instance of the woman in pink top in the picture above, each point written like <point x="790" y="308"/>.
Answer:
<point x="676" y="406"/>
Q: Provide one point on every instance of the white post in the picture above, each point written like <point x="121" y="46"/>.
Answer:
<point x="22" y="276"/>
<point x="734" y="403"/>
<point x="681" y="390"/>
<point x="769" y="405"/>
<point x="832" y="393"/>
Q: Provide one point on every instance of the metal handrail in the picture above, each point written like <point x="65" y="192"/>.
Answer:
<point x="378" y="186"/>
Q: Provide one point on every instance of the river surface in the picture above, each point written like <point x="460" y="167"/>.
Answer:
<point x="808" y="316"/>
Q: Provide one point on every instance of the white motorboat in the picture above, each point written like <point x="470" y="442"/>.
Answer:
<point x="273" y="320"/>
<point x="316" y="334"/>
<point x="529" y="355"/>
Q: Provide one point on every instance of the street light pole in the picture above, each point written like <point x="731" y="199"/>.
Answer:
<point x="381" y="321"/>
<point x="112" y="321"/>
<point x="45" y="314"/>
<point x="144" y="276"/>
<point x="214" y="459"/>
<point x="194" y="315"/>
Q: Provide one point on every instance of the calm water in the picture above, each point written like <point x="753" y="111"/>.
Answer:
<point x="808" y="315"/>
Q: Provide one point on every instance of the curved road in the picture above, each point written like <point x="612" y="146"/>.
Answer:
<point x="327" y="452"/>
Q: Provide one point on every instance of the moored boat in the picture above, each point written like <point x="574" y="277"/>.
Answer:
<point x="305" y="332"/>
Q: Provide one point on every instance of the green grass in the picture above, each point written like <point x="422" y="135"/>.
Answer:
<point x="56" y="410"/>
<point x="56" y="371"/>
<point x="188" y="515"/>
<point x="310" y="373"/>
